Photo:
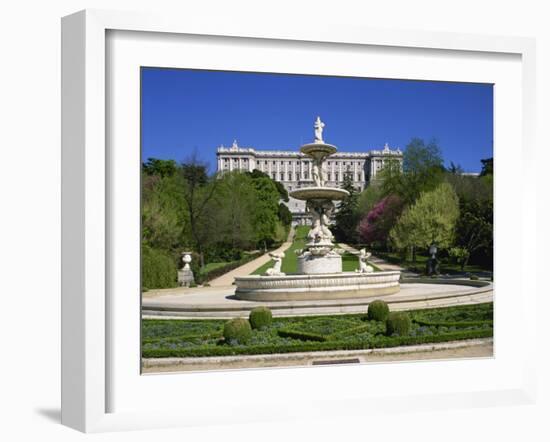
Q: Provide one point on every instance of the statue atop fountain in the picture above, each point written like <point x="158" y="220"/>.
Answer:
<point x="319" y="126"/>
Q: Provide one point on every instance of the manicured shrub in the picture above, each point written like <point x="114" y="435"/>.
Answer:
<point x="474" y="277"/>
<point x="378" y="310"/>
<point x="398" y="323"/>
<point x="158" y="269"/>
<point x="260" y="317"/>
<point x="237" y="331"/>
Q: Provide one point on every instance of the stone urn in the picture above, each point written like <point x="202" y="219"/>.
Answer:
<point x="185" y="275"/>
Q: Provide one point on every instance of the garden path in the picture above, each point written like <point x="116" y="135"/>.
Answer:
<point x="246" y="269"/>
<point x="378" y="262"/>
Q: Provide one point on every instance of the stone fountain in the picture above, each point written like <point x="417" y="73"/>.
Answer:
<point x="319" y="273"/>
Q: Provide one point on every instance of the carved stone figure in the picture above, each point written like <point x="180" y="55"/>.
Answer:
<point x="363" y="267"/>
<point x="276" y="269"/>
<point x="319" y="125"/>
<point x="317" y="175"/>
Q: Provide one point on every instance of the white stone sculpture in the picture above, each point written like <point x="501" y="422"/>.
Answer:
<point x="319" y="125"/>
<point x="276" y="269"/>
<point x="185" y="275"/>
<point x="363" y="267"/>
<point x="316" y="175"/>
<point x="186" y="258"/>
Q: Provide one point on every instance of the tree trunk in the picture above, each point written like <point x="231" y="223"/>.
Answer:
<point x="414" y="254"/>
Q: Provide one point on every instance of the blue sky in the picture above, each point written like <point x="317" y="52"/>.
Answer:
<point x="191" y="111"/>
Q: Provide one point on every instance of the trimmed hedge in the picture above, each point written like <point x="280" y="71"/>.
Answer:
<point x="386" y="342"/>
<point x="158" y="269"/>
<point x="301" y="335"/>
<point x="260" y="317"/>
<point x="350" y="332"/>
<point x="378" y="310"/>
<point x="237" y="330"/>
<point x="452" y="324"/>
<point x="398" y="322"/>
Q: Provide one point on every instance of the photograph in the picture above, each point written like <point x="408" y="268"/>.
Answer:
<point x="307" y="220"/>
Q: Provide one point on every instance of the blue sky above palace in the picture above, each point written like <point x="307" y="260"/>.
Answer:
<point x="186" y="112"/>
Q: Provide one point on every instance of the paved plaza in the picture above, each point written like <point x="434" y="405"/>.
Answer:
<point x="219" y="302"/>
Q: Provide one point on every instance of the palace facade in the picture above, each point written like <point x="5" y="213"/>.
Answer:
<point x="293" y="169"/>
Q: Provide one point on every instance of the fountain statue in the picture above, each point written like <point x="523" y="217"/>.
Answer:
<point x="319" y="274"/>
<point x="319" y="255"/>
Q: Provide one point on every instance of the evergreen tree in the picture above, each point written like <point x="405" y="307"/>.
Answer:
<point x="347" y="216"/>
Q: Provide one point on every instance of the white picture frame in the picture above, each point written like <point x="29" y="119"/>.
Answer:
<point x="86" y="206"/>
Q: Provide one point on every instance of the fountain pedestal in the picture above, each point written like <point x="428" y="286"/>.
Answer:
<point x="309" y="264"/>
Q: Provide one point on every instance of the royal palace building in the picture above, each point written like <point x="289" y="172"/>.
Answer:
<point x="294" y="170"/>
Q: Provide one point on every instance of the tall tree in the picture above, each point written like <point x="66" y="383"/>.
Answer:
<point x="422" y="171"/>
<point x="162" y="168"/>
<point x="346" y="215"/>
<point x="430" y="220"/>
<point x="487" y="167"/>
<point x="376" y="225"/>
<point x="199" y="195"/>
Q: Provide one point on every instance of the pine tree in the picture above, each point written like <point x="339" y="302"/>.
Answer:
<point x="346" y="216"/>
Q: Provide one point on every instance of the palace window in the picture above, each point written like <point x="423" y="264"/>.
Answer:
<point x="336" y="176"/>
<point x="282" y="176"/>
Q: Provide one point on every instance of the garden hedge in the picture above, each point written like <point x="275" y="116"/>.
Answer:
<point x="399" y="323"/>
<point x="260" y="317"/>
<point x="393" y="341"/>
<point x="378" y="310"/>
<point x="237" y="330"/>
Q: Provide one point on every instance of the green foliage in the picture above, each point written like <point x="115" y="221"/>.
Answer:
<point x="398" y="323"/>
<point x="347" y="217"/>
<point x="487" y="168"/>
<point x="260" y="317"/>
<point x="378" y="310"/>
<point x="210" y="272"/>
<point x="474" y="227"/>
<point x="163" y="214"/>
<point x="422" y="171"/>
<point x="237" y="331"/>
<point x="267" y="209"/>
<point x="369" y="197"/>
<point x="431" y="220"/>
<point x="198" y="338"/>
<point x="158" y="269"/>
<point x="285" y="216"/>
<point x="301" y="335"/>
<point x="460" y="254"/>
<point x="283" y="194"/>
<point x="161" y="168"/>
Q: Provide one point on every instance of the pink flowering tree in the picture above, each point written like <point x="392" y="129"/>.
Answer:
<point x="375" y="226"/>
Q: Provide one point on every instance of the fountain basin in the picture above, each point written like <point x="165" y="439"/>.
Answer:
<point x="319" y="193"/>
<point x="317" y="286"/>
<point x="318" y="150"/>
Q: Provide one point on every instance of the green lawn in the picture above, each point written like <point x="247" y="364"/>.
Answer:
<point x="215" y="265"/>
<point x="290" y="261"/>
<point x="198" y="338"/>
